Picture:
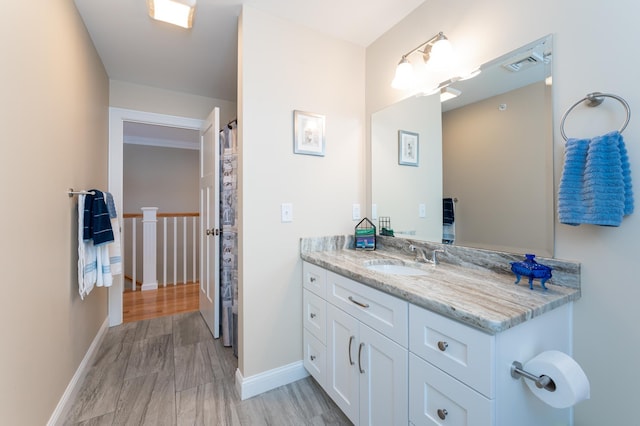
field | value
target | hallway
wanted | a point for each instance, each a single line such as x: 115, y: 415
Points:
x: 170, y: 300
x: 169, y: 371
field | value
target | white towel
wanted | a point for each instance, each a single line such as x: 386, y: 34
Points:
x: 449, y: 233
x: 104, y: 277
x: 115, y: 253
x: 87, y: 260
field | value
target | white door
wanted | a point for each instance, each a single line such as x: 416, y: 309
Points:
x: 209, y: 223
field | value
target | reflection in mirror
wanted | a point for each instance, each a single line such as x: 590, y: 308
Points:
x: 490, y: 149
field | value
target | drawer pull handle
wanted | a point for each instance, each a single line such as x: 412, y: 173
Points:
x: 364, y: 305
x: 443, y: 347
x: 442, y: 413
x: 312, y: 357
x: 351, y: 341
x: 360, y: 358
x: 312, y: 315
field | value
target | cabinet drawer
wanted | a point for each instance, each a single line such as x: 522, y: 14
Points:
x: 382, y: 312
x: 315, y: 315
x: 438, y: 399
x: 461, y: 351
x: 315, y: 358
x: 314, y: 278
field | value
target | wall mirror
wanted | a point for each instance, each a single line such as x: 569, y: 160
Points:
x: 490, y: 150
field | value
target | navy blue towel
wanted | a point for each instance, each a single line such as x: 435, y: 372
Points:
x: 448, y: 217
x: 97, y: 223
x: 595, y: 187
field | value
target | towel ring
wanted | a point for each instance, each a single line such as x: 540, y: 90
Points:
x: 592, y: 100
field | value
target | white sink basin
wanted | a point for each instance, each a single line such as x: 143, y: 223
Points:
x: 393, y: 269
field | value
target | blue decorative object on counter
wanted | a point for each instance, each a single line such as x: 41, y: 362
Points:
x: 532, y: 269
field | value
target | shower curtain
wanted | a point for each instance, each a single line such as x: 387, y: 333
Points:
x: 229, y: 240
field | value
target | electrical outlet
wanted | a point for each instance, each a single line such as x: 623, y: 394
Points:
x: 422, y: 210
x: 286, y: 210
x: 355, y: 211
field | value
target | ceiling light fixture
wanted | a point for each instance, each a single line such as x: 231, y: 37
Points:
x: 176, y: 12
x: 437, y: 53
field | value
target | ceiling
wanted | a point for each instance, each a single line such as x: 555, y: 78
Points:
x: 203, y: 60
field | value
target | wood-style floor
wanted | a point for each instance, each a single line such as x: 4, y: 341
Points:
x: 172, y: 299
x: 170, y: 371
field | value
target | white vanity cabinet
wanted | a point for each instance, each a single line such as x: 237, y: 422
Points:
x: 366, y: 370
x: 386, y: 361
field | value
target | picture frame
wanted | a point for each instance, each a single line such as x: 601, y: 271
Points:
x: 308, y: 133
x: 408, y: 148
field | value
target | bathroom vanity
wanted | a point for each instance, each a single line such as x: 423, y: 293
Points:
x: 412, y: 343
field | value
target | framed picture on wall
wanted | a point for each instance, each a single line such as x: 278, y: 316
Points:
x: 308, y: 133
x: 408, y: 148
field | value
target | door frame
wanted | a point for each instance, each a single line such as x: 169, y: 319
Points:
x: 117, y: 118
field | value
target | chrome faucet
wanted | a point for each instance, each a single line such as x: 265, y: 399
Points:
x: 421, y: 254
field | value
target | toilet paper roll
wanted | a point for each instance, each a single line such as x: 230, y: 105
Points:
x: 572, y: 385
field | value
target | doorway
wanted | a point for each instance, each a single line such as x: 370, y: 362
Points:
x: 118, y: 119
x: 160, y: 170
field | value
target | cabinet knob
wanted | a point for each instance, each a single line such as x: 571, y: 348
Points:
x: 442, y: 413
x: 443, y: 347
x: 312, y: 279
x: 312, y: 357
x: 312, y: 315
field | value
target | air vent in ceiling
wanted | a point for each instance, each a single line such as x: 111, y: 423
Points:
x: 524, y: 60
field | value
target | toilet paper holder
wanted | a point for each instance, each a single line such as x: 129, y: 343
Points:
x: 542, y: 382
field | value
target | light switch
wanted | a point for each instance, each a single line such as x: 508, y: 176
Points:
x: 287, y: 212
x: 422, y: 210
x: 374, y: 211
x: 355, y: 211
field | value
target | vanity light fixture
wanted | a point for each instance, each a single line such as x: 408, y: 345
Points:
x: 436, y: 52
x: 447, y: 93
x: 176, y: 12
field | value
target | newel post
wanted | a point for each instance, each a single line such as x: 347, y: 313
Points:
x: 149, y: 220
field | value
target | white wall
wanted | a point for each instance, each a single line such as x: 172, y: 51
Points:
x: 606, y: 341
x: 137, y: 97
x: 399, y: 189
x: 284, y: 67
x: 54, y: 110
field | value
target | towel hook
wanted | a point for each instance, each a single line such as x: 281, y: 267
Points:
x: 592, y: 100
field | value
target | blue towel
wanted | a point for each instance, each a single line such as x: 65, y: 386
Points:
x: 97, y: 224
x: 448, y: 215
x: 595, y: 187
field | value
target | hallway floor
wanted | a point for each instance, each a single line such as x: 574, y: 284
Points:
x: 170, y: 371
x: 173, y: 299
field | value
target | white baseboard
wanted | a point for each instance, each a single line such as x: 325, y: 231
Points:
x: 149, y: 286
x: 59, y: 414
x: 263, y: 382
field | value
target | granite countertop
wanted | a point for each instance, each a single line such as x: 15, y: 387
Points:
x: 475, y: 296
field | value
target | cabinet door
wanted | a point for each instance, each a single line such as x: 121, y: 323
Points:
x: 342, y: 369
x: 384, y: 372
